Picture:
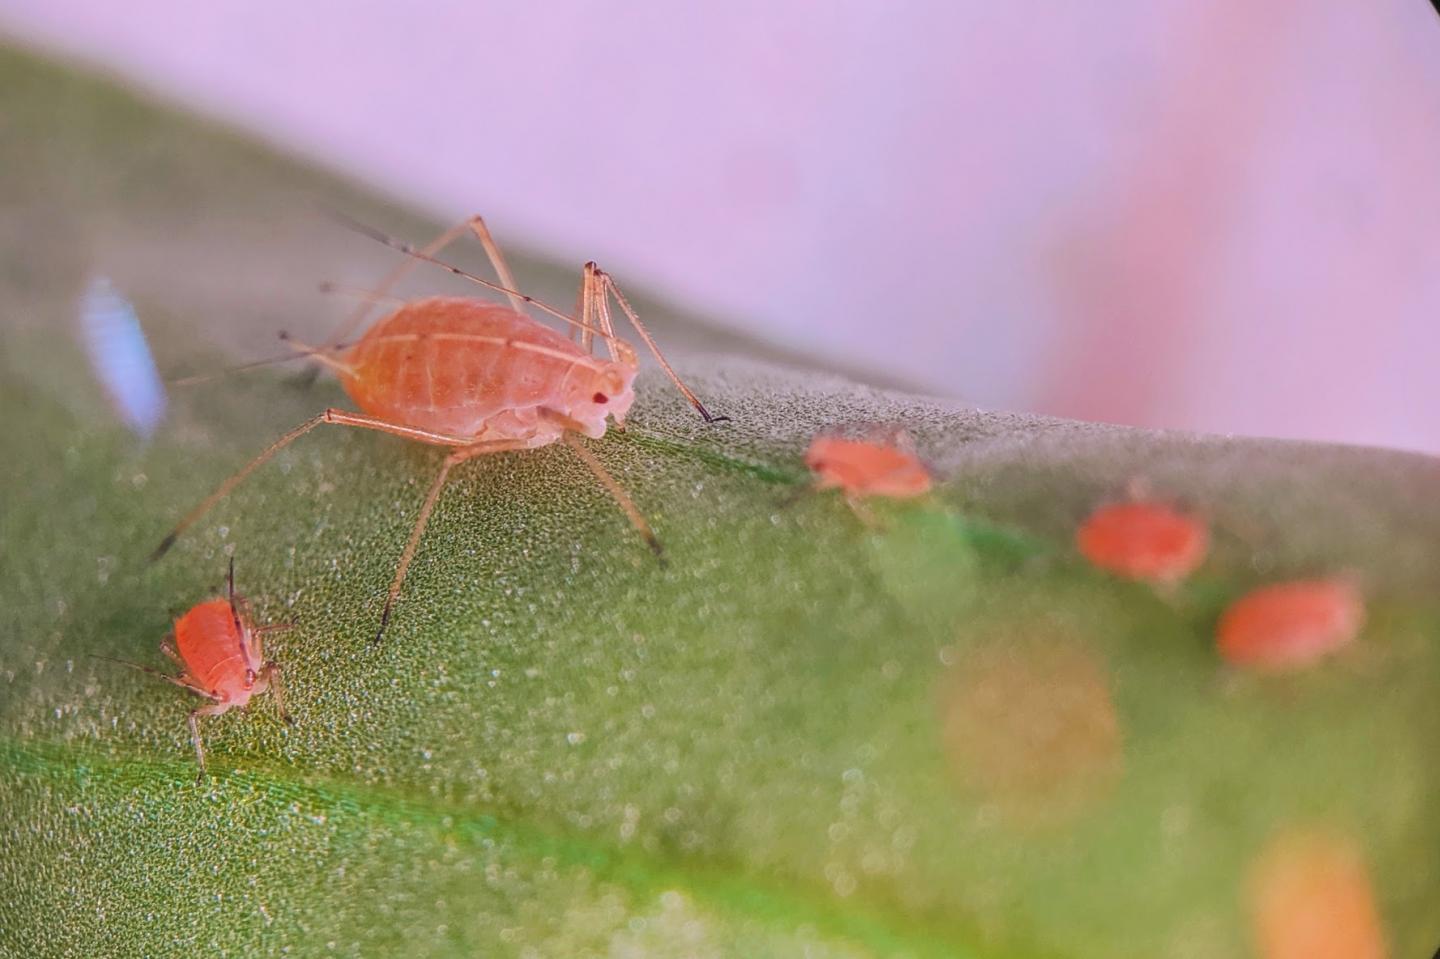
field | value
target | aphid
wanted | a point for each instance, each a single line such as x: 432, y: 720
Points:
x: 865, y: 468
x: 1310, y: 897
x: 1290, y: 625
x: 221, y: 655
x: 1145, y: 540
x: 478, y: 378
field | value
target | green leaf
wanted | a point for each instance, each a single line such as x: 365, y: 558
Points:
x: 768, y: 747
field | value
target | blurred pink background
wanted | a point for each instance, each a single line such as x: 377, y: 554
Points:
x: 1220, y: 215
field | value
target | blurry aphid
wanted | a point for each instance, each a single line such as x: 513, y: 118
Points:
x: 884, y: 467
x: 1030, y: 725
x: 1310, y: 897
x: 120, y: 357
x: 1144, y: 539
x: 221, y: 656
x: 1290, y: 625
x: 478, y: 377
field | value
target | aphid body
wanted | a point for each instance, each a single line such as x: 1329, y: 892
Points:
x: 864, y: 468
x: 1143, y: 540
x: 465, y: 367
x: 1291, y: 625
x: 477, y: 378
x: 221, y: 655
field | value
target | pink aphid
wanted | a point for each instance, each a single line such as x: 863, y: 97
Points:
x: 867, y: 468
x: 221, y: 656
x: 479, y: 378
x: 1144, y: 540
x: 1290, y: 625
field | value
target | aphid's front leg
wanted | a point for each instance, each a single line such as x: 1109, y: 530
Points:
x: 617, y: 492
x: 270, y: 673
x: 215, y: 709
x: 454, y: 459
x: 608, y: 286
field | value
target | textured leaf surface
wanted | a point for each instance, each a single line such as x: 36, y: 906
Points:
x: 801, y: 737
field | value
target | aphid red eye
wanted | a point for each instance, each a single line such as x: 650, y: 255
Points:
x: 600, y: 398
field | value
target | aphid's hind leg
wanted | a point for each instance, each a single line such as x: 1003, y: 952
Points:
x: 340, y: 417
x: 459, y: 456
x: 215, y: 709
x: 476, y: 226
x: 617, y: 493
x: 608, y: 286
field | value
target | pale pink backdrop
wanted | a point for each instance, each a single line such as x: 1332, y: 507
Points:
x: 1209, y: 214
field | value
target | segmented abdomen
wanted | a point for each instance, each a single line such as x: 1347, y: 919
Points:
x: 450, y: 364
x: 212, y: 648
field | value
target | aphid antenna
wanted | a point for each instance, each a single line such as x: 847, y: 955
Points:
x: 230, y: 597
x: 401, y: 246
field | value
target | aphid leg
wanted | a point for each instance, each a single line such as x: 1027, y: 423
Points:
x: 272, y: 628
x: 593, y: 310
x: 183, y: 680
x: 318, y: 354
x: 167, y: 647
x: 426, y: 508
x: 617, y: 492
x: 341, y: 417
x: 271, y: 674
x: 863, y: 513
x: 356, y: 319
x: 492, y: 250
x: 415, y: 254
x: 605, y: 325
x: 581, y: 329
x: 476, y: 225
x: 215, y: 709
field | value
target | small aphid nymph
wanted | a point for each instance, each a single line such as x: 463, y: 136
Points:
x: 1143, y: 540
x: 1290, y: 625
x: 862, y: 469
x: 478, y: 378
x: 221, y: 655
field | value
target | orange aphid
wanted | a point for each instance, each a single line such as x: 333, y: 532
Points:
x: 479, y: 378
x: 1144, y: 540
x: 865, y: 468
x: 221, y: 655
x: 1310, y: 898
x: 1290, y: 625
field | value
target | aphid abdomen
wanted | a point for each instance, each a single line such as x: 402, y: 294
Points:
x: 211, y: 646
x: 453, y: 365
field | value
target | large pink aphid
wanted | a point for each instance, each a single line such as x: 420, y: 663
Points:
x: 478, y: 377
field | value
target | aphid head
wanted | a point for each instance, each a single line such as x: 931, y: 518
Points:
x: 608, y: 392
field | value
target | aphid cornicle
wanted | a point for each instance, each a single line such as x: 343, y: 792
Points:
x: 478, y: 377
x: 221, y: 655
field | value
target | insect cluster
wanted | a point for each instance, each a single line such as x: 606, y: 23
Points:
x: 475, y: 378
